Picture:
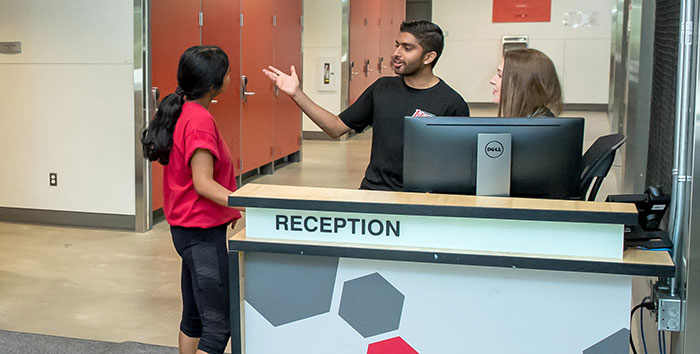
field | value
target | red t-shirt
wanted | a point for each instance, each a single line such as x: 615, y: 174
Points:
x: 196, y: 129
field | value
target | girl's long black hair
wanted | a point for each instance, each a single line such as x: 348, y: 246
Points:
x: 201, y: 70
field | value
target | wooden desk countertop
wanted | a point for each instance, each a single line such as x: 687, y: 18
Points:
x: 634, y: 261
x: 404, y: 203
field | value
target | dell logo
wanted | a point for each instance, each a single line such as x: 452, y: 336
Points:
x: 494, y: 149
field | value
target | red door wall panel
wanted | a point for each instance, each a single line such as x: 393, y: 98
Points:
x: 287, y: 52
x: 522, y: 11
x: 387, y: 37
x: 174, y: 28
x: 257, y: 120
x: 373, y: 41
x: 399, y: 14
x: 393, y: 13
x: 358, y: 51
x: 252, y: 132
x: 222, y: 28
x: 374, y: 26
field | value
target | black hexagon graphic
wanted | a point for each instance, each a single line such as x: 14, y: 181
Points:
x: 285, y: 288
x: 371, y: 305
x: 616, y: 343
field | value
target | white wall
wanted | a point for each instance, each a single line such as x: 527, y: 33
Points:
x: 67, y: 106
x: 473, y: 47
x: 322, y: 37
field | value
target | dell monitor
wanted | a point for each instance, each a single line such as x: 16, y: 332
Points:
x: 520, y: 157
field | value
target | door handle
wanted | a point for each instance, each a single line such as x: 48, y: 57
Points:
x: 380, y: 65
x: 152, y: 105
x: 244, y: 89
x: 155, y: 96
x: 352, y: 67
x: 156, y: 93
x: 367, y: 69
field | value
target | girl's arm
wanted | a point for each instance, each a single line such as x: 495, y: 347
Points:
x: 202, y: 164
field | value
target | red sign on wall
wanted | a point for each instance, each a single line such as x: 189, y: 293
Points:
x: 522, y: 10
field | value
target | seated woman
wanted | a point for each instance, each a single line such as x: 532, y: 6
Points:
x: 526, y: 85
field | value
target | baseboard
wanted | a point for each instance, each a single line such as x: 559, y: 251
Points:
x: 158, y: 215
x: 68, y: 218
x: 483, y: 105
x: 592, y: 107
x: 315, y: 135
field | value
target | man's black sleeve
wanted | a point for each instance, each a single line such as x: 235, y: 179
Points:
x: 361, y: 113
x: 459, y: 108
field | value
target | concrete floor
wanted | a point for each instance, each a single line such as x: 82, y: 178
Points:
x: 124, y: 286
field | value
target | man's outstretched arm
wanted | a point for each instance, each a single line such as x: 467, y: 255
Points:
x: 330, y: 123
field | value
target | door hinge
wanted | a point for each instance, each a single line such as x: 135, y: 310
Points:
x: 301, y: 20
x: 274, y: 20
x: 201, y: 19
x: 241, y: 20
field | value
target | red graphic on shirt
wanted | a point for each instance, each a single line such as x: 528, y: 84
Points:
x: 419, y: 113
x: 394, y: 345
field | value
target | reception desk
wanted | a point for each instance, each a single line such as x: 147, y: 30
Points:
x: 320, y: 270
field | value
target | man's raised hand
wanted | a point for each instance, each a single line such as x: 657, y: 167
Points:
x: 288, y: 84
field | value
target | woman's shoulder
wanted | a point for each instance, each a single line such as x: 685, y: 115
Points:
x: 543, y: 112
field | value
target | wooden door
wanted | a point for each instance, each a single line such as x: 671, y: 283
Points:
x: 358, y: 35
x: 257, y: 122
x: 365, y: 45
x: 287, y: 52
x: 174, y: 28
x: 392, y: 14
x: 221, y: 27
x: 386, y: 37
x: 399, y: 16
x: 372, y: 41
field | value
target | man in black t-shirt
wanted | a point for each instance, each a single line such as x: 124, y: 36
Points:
x: 383, y: 105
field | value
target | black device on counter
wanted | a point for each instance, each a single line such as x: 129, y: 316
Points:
x: 651, y: 206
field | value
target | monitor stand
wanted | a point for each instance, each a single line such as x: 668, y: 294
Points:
x: 493, y: 164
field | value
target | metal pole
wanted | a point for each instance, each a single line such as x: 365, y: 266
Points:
x: 345, y: 72
x: 143, y: 111
x: 678, y: 216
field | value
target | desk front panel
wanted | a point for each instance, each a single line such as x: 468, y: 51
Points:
x: 315, y: 304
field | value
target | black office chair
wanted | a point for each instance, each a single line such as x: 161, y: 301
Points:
x: 597, y: 162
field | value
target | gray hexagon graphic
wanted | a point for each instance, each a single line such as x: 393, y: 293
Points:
x: 616, y: 343
x: 371, y: 305
x: 285, y: 288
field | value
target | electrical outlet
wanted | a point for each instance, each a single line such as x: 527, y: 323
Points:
x: 669, y: 313
x: 53, y: 179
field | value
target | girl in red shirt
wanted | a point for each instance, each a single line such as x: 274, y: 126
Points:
x: 198, y: 177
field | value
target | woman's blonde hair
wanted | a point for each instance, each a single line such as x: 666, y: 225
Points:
x: 529, y: 84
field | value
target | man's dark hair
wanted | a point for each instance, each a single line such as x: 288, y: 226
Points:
x: 428, y: 34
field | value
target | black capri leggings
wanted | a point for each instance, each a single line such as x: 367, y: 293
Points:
x: 204, y: 282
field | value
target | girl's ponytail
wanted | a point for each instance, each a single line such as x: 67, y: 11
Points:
x: 157, y: 139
